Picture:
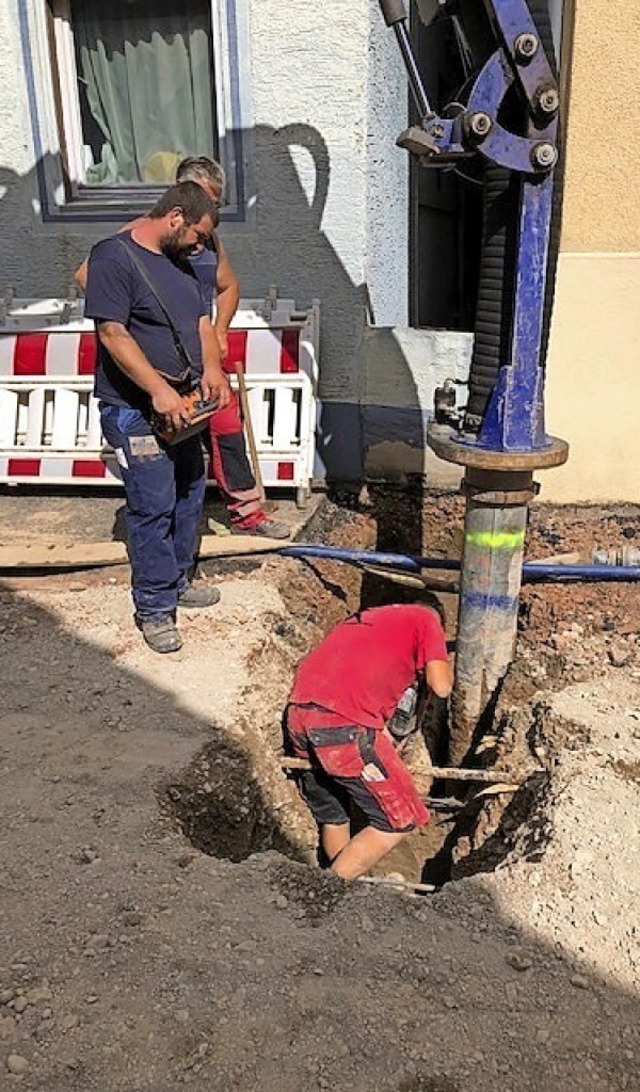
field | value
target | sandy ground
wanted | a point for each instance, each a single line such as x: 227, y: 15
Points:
x: 584, y: 895
x: 130, y: 961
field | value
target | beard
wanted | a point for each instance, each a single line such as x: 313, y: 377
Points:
x: 174, y: 247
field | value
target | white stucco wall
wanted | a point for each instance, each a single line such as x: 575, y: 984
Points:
x: 387, y: 227
x: 16, y: 149
x: 326, y: 81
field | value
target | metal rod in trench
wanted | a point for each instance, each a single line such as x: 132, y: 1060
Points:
x: 449, y: 773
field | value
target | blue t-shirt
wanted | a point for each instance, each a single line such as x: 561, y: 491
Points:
x: 205, y: 266
x: 116, y: 292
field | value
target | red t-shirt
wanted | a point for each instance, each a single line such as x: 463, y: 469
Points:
x: 365, y: 664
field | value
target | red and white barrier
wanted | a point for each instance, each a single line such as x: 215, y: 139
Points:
x: 49, y: 421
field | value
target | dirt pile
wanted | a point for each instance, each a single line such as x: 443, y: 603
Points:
x: 583, y: 891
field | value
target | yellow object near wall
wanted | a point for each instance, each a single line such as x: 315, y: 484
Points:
x: 593, y: 377
x: 601, y: 207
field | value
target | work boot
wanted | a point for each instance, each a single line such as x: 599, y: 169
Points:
x: 160, y: 634
x: 267, y: 528
x: 196, y: 596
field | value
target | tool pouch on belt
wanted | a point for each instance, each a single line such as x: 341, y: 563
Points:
x: 347, y: 752
x: 354, y: 752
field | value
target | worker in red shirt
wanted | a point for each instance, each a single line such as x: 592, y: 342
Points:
x: 344, y: 694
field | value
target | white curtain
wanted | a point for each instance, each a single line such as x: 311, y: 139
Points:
x: 147, y: 76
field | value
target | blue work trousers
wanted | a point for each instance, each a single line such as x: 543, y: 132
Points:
x: 165, y: 496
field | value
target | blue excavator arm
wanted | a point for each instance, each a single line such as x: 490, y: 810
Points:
x: 506, y: 118
x: 507, y: 114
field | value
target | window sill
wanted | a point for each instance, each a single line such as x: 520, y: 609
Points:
x: 102, y: 204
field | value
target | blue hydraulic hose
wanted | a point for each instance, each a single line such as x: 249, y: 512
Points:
x: 368, y: 557
x: 532, y: 572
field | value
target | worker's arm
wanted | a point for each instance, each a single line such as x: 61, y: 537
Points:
x: 214, y: 382
x: 439, y: 676
x: 128, y: 355
x: 227, y: 298
x: 80, y: 275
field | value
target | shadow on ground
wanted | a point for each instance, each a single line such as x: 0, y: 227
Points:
x: 145, y: 965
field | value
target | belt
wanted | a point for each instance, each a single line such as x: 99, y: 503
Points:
x: 330, y: 737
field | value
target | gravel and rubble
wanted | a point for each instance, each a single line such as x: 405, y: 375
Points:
x: 131, y: 961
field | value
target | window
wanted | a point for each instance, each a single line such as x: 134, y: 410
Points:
x: 136, y: 89
x: 125, y: 89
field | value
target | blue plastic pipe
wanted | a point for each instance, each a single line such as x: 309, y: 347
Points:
x: 532, y: 572
x: 539, y: 573
x: 368, y: 557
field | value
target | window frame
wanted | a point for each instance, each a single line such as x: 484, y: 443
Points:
x: 54, y: 106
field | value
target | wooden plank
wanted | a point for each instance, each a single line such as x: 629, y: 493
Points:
x: 558, y: 559
x: 60, y: 555
x: 64, y: 554
x: 231, y: 545
x: 451, y: 773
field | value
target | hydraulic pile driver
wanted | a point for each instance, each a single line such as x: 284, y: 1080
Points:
x: 506, y: 117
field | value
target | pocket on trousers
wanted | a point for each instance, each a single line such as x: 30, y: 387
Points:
x: 341, y: 759
x: 373, y: 766
x: 120, y: 422
x: 144, y: 448
x: 129, y: 431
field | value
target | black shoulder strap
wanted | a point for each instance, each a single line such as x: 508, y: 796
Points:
x: 182, y: 352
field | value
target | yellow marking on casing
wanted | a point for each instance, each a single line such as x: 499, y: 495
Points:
x: 495, y: 540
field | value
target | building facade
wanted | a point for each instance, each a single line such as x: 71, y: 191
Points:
x: 594, y: 360
x: 303, y: 103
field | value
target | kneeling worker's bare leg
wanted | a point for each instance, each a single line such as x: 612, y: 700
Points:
x: 334, y: 837
x: 364, y: 851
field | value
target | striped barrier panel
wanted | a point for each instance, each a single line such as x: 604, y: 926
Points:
x: 49, y: 420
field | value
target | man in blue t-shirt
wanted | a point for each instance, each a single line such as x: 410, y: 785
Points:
x: 140, y: 361
x: 230, y: 466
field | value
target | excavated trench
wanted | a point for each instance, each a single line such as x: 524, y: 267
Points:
x: 234, y: 799
x: 221, y: 807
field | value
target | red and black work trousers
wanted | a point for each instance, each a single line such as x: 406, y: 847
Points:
x: 231, y: 469
x: 350, y: 762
